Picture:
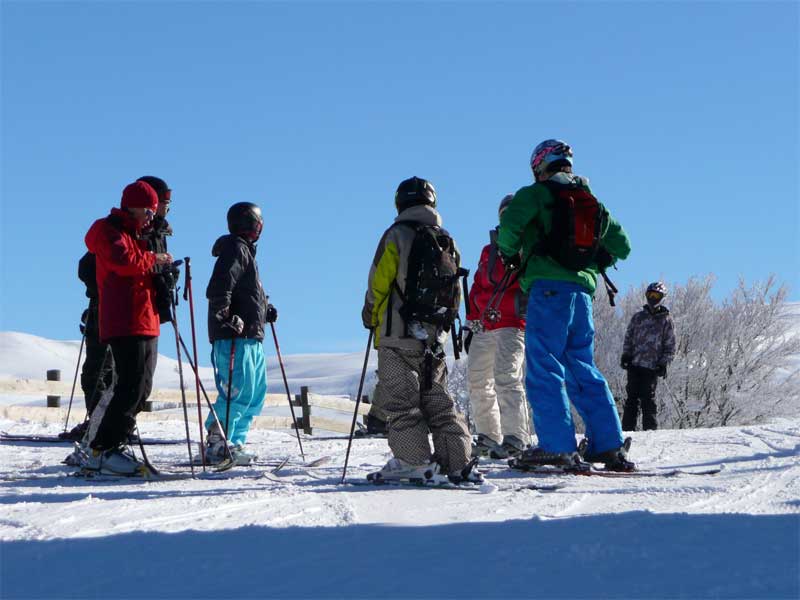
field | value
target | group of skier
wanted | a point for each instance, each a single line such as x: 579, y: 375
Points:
x: 529, y: 312
x: 130, y: 280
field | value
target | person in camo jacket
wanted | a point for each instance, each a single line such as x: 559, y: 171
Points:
x: 648, y: 350
x: 495, y: 343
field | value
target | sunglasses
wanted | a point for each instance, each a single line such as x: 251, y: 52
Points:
x: 149, y: 212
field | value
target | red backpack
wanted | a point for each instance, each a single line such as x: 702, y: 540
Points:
x: 577, y: 226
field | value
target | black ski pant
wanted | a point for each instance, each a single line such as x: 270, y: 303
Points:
x: 97, y: 374
x: 135, y: 362
x: 641, y: 389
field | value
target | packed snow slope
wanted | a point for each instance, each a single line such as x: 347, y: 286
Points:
x: 249, y: 533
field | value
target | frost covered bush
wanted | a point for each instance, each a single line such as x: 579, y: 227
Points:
x: 736, y: 361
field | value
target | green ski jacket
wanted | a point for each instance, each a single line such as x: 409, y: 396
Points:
x: 529, y: 217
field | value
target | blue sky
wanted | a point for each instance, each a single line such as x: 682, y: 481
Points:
x: 684, y: 115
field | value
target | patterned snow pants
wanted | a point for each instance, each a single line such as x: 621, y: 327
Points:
x: 412, y: 414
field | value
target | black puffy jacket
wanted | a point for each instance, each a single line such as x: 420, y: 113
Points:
x: 235, y: 289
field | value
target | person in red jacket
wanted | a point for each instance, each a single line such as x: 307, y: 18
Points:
x: 496, y: 347
x: 128, y: 321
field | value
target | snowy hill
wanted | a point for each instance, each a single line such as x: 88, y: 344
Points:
x: 25, y: 356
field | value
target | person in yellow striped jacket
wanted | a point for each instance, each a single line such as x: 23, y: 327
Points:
x: 411, y: 355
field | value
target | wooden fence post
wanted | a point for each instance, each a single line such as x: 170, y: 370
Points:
x: 306, y: 410
x: 53, y: 401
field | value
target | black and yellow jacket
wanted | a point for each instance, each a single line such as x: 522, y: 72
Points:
x: 382, y: 301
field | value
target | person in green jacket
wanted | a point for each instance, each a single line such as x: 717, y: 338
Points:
x: 559, y: 334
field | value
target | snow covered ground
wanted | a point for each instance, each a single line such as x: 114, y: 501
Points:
x: 248, y: 533
x: 299, y: 533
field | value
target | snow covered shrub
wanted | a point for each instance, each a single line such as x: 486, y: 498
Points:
x: 735, y: 363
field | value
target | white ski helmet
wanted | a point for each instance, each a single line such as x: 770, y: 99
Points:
x: 504, y: 204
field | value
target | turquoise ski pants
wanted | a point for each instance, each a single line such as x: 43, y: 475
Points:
x: 559, y: 352
x: 248, y: 388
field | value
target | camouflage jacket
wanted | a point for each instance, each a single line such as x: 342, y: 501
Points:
x: 650, y: 338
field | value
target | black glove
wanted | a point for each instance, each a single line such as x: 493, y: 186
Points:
x: 272, y: 313
x: 510, y: 262
x: 625, y: 361
x: 468, y: 339
x: 603, y: 259
x: 661, y: 370
x: 84, y: 321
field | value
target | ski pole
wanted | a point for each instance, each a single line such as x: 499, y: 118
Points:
x: 358, y: 401
x: 180, y: 373
x: 74, y: 381
x: 286, y: 385
x: 187, y: 290
x: 230, y: 381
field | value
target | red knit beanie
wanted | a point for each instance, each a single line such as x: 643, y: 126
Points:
x: 139, y: 195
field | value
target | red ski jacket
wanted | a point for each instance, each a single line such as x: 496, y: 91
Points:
x: 124, y: 277
x: 512, y: 303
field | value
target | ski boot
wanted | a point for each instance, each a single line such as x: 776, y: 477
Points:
x: 216, y: 450
x: 614, y: 460
x: 374, y: 428
x: 241, y: 457
x: 534, y: 458
x: 76, y: 433
x: 512, y: 446
x: 469, y: 474
x: 114, y: 461
x: 79, y: 456
x: 484, y: 446
x: 399, y: 470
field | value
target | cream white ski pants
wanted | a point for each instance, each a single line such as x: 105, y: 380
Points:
x: 495, y: 378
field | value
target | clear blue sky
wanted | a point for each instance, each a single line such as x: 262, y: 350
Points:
x: 684, y: 115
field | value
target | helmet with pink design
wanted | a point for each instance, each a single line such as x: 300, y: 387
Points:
x: 549, y: 155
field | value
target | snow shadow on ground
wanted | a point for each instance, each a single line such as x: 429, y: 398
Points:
x: 635, y: 554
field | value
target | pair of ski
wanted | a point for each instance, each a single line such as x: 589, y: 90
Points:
x: 54, y: 439
x: 149, y: 473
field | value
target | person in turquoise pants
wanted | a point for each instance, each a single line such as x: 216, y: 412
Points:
x: 238, y: 309
x: 567, y: 238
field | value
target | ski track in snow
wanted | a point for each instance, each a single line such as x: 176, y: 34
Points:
x: 729, y: 517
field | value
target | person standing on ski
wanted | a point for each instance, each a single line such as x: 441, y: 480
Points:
x: 566, y: 238
x: 128, y: 321
x: 166, y: 276
x: 410, y: 310
x: 647, y: 352
x: 97, y: 371
x: 495, y: 343
x: 238, y: 309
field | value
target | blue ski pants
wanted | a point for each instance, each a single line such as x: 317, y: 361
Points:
x: 559, y: 352
x: 248, y: 387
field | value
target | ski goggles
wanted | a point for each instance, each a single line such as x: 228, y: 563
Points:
x: 653, y: 295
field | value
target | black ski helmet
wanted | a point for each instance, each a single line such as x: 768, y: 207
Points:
x: 413, y: 192
x: 504, y: 204
x: 160, y: 186
x: 244, y: 218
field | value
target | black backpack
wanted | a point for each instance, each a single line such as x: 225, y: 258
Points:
x: 577, y: 226
x: 432, y: 292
